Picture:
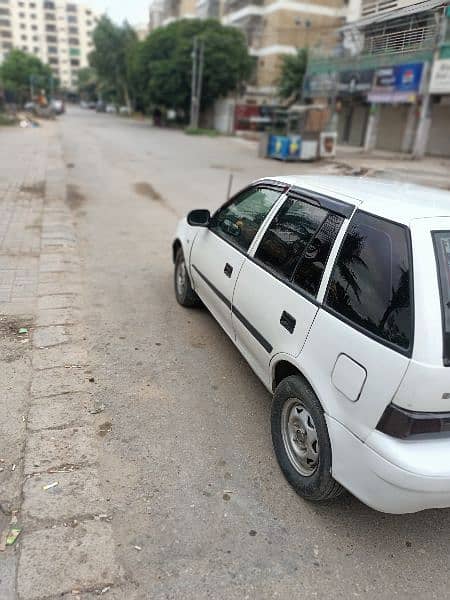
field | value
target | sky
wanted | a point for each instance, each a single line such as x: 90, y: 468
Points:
x: 135, y: 11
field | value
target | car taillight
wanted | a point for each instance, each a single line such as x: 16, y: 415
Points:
x: 401, y: 423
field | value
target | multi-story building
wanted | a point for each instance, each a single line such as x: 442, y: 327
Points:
x: 57, y: 32
x: 275, y: 28
x: 379, y: 77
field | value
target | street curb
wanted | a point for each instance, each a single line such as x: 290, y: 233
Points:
x: 66, y: 546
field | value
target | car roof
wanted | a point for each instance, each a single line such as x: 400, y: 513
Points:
x: 396, y: 201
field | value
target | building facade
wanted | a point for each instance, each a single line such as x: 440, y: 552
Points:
x: 59, y: 33
x: 388, y: 79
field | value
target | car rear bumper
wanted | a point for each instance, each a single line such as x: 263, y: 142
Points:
x: 393, y: 476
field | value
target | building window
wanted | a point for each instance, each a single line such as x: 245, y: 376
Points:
x: 72, y: 19
x: 35, y: 38
x: 4, y: 11
x: 6, y: 34
x: 49, y: 6
x: 53, y: 60
x: 74, y: 41
x: 34, y: 27
x: 52, y: 39
x: 52, y: 50
x: 71, y: 8
x: 23, y: 26
x: 33, y: 16
x: 50, y: 28
x: 73, y: 30
x: 24, y: 37
x: 50, y: 17
x: 25, y: 48
x: 74, y: 62
x: 36, y: 50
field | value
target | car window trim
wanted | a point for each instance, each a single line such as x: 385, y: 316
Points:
x: 339, y: 207
x: 408, y: 352
x: 434, y: 233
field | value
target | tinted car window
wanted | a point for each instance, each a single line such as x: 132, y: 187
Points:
x: 442, y: 249
x: 370, y: 282
x: 309, y: 272
x: 288, y: 235
x: 239, y: 221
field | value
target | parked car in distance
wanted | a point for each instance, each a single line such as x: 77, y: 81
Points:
x: 337, y: 292
x: 92, y: 105
x: 111, y: 109
x: 84, y: 104
x: 100, y: 107
x: 125, y: 111
x: 58, y: 106
x: 30, y: 106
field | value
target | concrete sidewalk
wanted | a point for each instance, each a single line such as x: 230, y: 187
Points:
x: 49, y: 479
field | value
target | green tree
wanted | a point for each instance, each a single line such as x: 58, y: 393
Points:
x: 114, y: 46
x: 20, y: 72
x: 162, y: 65
x: 293, y: 71
x: 87, y: 83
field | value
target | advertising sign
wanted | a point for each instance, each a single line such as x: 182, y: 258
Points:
x: 440, y: 77
x: 355, y: 82
x: 399, y: 83
x: 320, y: 84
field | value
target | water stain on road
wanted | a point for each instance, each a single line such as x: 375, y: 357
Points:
x: 37, y: 189
x: 146, y: 189
x: 74, y: 197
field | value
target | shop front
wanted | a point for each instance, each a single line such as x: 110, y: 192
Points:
x: 352, y: 88
x: 439, y: 135
x: 395, y: 92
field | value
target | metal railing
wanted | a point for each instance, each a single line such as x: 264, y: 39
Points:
x: 401, y: 42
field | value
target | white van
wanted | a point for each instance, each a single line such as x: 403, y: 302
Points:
x: 337, y: 292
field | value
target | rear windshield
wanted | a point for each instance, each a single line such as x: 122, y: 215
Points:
x: 442, y: 248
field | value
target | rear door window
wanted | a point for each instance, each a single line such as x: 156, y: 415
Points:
x: 288, y: 235
x: 371, y: 283
x: 441, y: 241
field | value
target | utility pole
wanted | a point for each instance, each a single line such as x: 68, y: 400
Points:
x: 198, y: 63
x: 423, y: 126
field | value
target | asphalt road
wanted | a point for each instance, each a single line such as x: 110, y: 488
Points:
x: 187, y: 462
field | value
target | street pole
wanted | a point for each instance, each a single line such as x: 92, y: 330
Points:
x: 194, y: 82
x: 200, y: 81
x: 423, y: 126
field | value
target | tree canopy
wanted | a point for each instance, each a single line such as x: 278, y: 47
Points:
x: 111, y: 58
x: 293, y: 71
x: 162, y: 64
x: 19, y: 70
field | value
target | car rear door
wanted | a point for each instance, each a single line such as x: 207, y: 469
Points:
x: 274, y: 303
x: 219, y: 251
x: 360, y: 345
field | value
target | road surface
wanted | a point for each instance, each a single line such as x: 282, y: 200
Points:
x: 200, y: 509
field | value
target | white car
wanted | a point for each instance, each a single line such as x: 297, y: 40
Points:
x: 337, y: 292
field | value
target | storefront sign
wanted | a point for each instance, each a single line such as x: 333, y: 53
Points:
x: 440, y: 77
x: 355, y: 82
x: 320, y: 84
x: 399, y: 83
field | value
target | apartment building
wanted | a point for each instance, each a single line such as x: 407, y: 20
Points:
x: 275, y: 28
x: 57, y: 32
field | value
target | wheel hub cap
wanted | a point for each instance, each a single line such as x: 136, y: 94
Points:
x: 300, y: 437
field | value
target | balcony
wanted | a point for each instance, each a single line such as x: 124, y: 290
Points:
x: 422, y: 38
x: 231, y: 6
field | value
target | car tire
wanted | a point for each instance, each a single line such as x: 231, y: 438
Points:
x: 184, y: 293
x: 301, y: 441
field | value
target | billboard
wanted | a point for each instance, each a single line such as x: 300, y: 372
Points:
x: 440, y: 77
x: 399, y: 83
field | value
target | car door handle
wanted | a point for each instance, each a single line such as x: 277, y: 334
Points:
x: 228, y: 270
x: 288, y: 321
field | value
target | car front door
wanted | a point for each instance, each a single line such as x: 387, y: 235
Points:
x: 219, y: 251
x: 274, y: 303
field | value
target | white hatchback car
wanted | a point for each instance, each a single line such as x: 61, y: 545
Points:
x: 337, y: 292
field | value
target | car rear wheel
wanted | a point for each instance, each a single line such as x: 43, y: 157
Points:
x: 184, y: 293
x: 301, y: 442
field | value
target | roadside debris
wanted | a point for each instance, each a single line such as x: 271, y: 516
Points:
x: 97, y: 409
x: 12, y: 536
x: 138, y: 548
x: 23, y: 331
x: 50, y: 486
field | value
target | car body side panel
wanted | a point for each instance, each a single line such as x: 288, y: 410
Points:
x: 328, y: 339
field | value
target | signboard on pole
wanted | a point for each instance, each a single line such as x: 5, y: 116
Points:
x: 440, y: 77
